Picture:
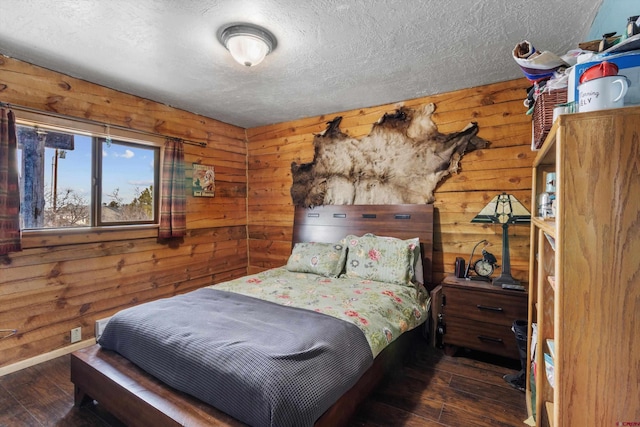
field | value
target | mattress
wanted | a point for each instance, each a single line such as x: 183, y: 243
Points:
x: 273, y: 349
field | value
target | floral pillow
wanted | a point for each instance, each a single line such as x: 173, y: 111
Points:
x: 383, y: 259
x: 323, y: 259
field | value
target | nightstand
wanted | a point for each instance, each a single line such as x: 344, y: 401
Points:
x: 478, y: 315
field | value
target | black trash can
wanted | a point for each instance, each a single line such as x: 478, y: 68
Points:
x: 518, y: 380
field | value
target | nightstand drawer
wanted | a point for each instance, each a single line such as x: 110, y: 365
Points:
x: 488, y: 307
x: 487, y: 337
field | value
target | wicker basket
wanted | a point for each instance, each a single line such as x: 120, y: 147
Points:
x: 543, y: 114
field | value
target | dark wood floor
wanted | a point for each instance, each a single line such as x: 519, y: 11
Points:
x: 432, y: 390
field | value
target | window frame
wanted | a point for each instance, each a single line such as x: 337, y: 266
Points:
x: 99, y: 231
x: 96, y: 188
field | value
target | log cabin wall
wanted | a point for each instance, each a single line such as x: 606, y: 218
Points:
x: 504, y: 166
x: 60, y: 282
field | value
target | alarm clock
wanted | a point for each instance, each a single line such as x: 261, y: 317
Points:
x: 484, y: 267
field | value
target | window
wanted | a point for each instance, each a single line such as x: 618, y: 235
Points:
x: 72, y: 178
x: 129, y: 176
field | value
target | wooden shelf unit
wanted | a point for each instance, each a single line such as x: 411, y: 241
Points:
x: 585, y: 294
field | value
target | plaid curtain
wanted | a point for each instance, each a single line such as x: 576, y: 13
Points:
x: 173, y: 221
x: 10, y: 236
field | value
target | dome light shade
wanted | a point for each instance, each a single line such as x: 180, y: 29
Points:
x: 247, y: 43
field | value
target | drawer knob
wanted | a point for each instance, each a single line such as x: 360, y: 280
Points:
x: 489, y: 308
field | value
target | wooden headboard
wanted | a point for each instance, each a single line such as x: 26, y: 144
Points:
x: 330, y: 223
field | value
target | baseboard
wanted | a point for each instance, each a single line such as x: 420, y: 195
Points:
x: 45, y: 357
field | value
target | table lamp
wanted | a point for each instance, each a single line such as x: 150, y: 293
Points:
x: 504, y: 209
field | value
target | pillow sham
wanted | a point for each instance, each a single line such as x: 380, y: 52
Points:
x: 418, y: 268
x: 383, y: 259
x: 323, y: 259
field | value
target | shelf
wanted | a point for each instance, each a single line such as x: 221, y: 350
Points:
x: 529, y: 397
x: 552, y: 281
x: 551, y: 240
x: 546, y: 225
x: 552, y: 347
x: 547, y: 153
x: 549, y: 407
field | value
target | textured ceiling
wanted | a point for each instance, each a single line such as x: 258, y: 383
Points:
x: 332, y: 55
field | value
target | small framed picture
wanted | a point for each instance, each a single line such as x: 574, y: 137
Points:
x: 204, y: 182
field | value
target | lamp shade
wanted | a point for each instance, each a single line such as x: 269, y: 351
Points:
x: 247, y: 43
x: 503, y: 209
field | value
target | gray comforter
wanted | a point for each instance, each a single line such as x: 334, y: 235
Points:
x: 262, y: 363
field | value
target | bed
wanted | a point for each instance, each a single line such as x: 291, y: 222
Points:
x: 138, y: 398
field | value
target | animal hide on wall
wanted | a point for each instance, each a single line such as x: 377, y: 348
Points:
x: 401, y: 161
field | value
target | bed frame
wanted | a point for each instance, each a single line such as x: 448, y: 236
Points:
x: 138, y: 399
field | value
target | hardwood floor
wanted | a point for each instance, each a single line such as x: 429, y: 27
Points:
x: 432, y: 390
x: 439, y: 390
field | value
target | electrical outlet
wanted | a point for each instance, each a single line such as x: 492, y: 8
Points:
x: 76, y: 334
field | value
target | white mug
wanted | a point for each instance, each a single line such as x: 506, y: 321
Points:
x: 561, y: 109
x: 602, y: 93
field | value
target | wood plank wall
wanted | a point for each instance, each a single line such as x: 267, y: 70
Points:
x: 504, y: 166
x: 59, y: 282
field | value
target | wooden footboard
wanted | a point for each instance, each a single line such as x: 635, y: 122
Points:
x: 138, y: 399
x: 135, y: 397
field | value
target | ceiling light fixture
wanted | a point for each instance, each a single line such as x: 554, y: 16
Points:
x: 247, y: 43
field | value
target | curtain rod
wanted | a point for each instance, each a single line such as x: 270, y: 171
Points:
x: 95, y: 122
